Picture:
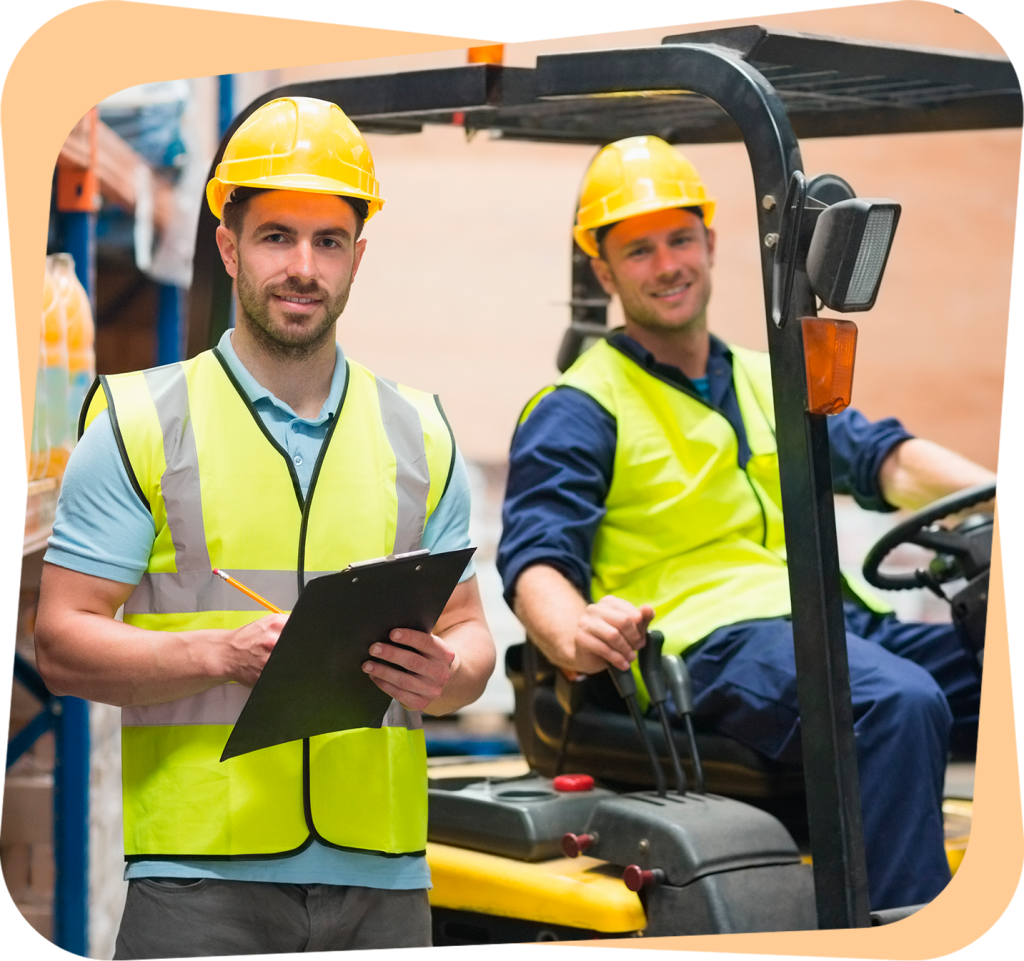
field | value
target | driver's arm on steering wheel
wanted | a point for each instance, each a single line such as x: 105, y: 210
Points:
x: 917, y: 472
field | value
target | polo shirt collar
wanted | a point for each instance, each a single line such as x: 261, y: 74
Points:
x: 257, y: 392
x: 718, y: 372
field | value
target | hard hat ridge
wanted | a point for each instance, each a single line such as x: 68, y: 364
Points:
x: 634, y: 176
x: 297, y: 143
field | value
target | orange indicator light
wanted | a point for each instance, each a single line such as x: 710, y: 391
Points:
x: 830, y: 346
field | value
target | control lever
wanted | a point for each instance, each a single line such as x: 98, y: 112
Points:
x: 569, y: 692
x: 625, y: 684
x: 650, y: 658
x: 679, y: 683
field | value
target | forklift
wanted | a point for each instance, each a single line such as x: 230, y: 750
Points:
x: 741, y: 843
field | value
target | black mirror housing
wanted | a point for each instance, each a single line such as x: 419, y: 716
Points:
x: 849, y: 250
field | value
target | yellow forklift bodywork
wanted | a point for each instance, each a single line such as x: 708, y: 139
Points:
x: 564, y: 891
x: 575, y: 892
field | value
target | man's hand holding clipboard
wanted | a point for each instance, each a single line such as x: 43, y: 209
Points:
x: 401, y: 628
x: 414, y: 669
x: 429, y: 671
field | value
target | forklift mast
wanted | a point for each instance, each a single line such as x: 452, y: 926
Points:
x: 754, y: 85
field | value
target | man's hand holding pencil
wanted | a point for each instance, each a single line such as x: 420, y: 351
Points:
x: 248, y: 648
x: 415, y: 669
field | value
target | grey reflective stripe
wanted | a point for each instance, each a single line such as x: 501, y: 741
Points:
x: 412, y: 473
x: 180, y: 481
x: 218, y: 705
x: 194, y: 591
x: 223, y: 704
x: 398, y: 716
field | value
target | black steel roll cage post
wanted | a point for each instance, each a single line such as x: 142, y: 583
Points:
x: 826, y: 714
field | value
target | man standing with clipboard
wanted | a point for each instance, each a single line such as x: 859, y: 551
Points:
x: 276, y: 458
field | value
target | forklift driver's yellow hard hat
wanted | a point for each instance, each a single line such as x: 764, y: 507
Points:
x: 635, y: 176
x: 297, y: 143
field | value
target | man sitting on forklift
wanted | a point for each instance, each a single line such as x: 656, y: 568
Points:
x: 646, y: 480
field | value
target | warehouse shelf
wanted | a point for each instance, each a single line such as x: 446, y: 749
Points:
x: 39, y: 513
x: 116, y: 169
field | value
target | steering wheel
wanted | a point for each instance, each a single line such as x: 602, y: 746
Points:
x: 964, y: 551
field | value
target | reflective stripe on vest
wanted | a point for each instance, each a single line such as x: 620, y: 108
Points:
x: 223, y: 494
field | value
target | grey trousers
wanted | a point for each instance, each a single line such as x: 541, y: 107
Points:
x: 172, y: 919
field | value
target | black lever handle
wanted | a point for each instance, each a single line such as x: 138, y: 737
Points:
x: 649, y: 657
x: 569, y: 692
x: 679, y: 682
x: 678, y: 677
x: 624, y: 681
x: 625, y: 684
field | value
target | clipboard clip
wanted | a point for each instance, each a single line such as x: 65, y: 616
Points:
x: 422, y: 552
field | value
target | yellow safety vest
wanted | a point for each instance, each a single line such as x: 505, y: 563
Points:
x: 223, y: 494
x: 686, y: 529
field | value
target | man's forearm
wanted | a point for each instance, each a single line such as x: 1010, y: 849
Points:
x: 81, y: 649
x: 101, y: 659
x: 918, y: 472
x: 550, y: 608
x: 573, y: 634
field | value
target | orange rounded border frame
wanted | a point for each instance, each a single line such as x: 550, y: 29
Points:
x: 55, y: 67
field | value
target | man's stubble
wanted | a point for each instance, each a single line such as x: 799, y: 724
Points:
x: 255, y: 305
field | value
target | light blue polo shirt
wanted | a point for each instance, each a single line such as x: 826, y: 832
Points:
x: 102, y: 528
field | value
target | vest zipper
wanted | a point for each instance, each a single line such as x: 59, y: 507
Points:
x: 301, y: 567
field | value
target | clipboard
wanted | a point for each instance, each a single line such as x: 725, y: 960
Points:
x: 313, y: 681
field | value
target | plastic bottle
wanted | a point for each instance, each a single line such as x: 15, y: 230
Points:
x: 54, y: 374
x: 39, y: 451
x: 81, y: 334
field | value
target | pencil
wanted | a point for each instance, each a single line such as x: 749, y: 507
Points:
x: 245, y: 590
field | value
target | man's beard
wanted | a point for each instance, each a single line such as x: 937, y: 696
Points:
x: 295, y: 342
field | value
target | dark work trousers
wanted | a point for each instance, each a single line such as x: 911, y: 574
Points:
x: 207, y: 917
x: 915, y: 690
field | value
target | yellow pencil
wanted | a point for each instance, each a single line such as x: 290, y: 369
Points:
x: 245, y: 590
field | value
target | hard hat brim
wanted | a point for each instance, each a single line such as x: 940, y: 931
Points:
x: 217, y: 190
x: 586, y: 236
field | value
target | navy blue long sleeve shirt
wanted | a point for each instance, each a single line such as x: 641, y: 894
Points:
x: 560, y: 466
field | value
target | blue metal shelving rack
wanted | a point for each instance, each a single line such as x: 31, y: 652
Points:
x: 68, y: 717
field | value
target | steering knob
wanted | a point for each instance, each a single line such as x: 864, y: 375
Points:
x: 636, y: 879
x: 573, y: 845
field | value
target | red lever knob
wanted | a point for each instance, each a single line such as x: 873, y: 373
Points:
x: 573, y: 845
x: 635, y: 878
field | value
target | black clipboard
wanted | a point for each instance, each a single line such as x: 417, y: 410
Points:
x: 313, y: 681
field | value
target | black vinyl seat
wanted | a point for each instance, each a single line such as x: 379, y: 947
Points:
x: 603, y: 742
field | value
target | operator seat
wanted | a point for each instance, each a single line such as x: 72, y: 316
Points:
x: 603, y: 742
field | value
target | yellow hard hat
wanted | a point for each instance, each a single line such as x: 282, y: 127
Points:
x: 635, y: 176
x: 297, y: 143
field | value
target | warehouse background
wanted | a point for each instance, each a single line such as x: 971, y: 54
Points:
x: 464, y: 292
